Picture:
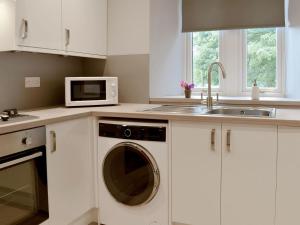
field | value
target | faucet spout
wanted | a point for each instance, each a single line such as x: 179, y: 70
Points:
x: 209, y: 97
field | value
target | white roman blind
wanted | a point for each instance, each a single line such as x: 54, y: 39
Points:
x: 206, y: 15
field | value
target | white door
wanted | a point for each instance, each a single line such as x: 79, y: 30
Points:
x: 196, y: 173
x: 248, y: 174
x: 84, y: 26
x: 38, y: 23
x: 70, y: 170
x: 288, y: 187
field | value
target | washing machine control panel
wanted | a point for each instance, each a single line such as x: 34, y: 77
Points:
x: 133, y: 132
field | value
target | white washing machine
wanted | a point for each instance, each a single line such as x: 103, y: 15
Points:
x: 133, y: 161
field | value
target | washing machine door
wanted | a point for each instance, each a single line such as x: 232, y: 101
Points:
x: 131, y: 174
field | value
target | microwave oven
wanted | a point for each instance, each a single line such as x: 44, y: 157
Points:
x: 91, y: 91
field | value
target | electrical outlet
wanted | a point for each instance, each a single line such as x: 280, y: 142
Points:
x: 32, y: 82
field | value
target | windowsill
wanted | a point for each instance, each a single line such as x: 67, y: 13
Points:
x: 263, y: 101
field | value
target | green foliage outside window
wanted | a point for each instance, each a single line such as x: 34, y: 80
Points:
x: 261, y: 57
x: 205, y: 52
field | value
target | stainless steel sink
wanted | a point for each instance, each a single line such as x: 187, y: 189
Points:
x: 243, y: 111
x: 218, y: 110
x: 179, y: 109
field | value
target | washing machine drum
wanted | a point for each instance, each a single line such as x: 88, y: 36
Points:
x: 131, y: 174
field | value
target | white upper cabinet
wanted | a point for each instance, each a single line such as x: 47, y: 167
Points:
x: 288, y: 187
x: 248, y: 174
x: 130, y: 20
x: 196, y: 173
x: 84, y: 24
x: 65, y: 27
x: 38, y: 23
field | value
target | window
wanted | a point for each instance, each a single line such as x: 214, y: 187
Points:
x: 205, y: 51
x: 263, y: 59
x: 248, y: 55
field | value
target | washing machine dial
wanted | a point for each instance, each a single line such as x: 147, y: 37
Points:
x: 127, y: 133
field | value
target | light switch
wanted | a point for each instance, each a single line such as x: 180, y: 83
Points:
x: 32, y: 82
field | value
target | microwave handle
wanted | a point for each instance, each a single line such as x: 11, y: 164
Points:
x: 23, y: 159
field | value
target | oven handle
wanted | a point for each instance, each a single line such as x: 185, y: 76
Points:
x: 23, y: 159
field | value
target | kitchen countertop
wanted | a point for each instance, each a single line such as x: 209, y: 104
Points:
x: 284, y: 117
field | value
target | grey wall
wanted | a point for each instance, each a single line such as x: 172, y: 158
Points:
x: 51, y: 68
x: 132, y: 70
x: 133, y: 74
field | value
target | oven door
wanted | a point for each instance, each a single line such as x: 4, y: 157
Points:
x: 23, y: 188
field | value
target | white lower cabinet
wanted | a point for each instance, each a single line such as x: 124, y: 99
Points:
x: 288, y: 187
x: 70, y: 164
x: 196, y: 173
x: 223, y: 174
x: 248, y: 174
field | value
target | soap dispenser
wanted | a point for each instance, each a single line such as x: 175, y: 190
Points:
x: 255, y: 91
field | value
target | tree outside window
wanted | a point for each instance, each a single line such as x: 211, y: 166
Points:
x: 205, y: 51
x: 261, y: 57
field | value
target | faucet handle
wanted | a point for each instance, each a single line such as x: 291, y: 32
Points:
x: 217, y: 97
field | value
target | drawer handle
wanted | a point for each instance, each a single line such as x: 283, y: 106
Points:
x: 213, y: 139
x: 53, y: 140
x: 68, y: 36
x: 25, y: 31
x: 228, y: 140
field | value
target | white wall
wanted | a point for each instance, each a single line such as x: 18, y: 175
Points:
x: 293, y: 49
x: 166, y: 48
x: 128, y: 27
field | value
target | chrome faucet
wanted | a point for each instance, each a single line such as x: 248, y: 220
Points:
x: 209, y: 101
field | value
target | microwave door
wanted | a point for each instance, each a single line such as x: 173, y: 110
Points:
x: 88, y: 90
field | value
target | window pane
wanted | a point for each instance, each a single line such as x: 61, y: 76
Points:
x: 261, y: 57
x: 205, y: 52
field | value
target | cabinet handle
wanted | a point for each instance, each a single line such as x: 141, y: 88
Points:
x: 228, y: 140
x: 53, y: 140
x: 25, y: 31
x: 213, y: 139
x: 68, y: 36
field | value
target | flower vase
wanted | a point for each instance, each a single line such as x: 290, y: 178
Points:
x: 188, y: 93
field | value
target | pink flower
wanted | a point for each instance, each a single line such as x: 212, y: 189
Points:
x: 186, y: 85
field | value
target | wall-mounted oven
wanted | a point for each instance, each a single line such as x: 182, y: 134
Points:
x: 23, y: 178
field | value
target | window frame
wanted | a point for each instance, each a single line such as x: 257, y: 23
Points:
x: 279, y: 65
x: 232, y: 53
x: 189, y: 62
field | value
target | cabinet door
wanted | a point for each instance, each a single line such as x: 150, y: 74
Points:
x: 196, y: 173
x: 70, y: 170
x: 248, y: 174
x: 84, y: 26
x: 288, y: 186
x: 38, y: 23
